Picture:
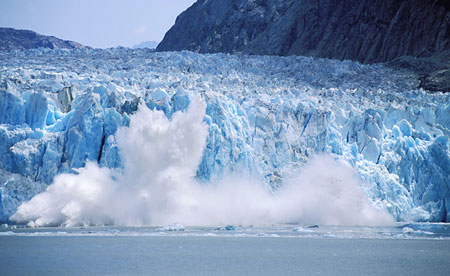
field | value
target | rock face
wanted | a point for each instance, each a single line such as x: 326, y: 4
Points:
x: 12, y: 39
x: 364, y: 30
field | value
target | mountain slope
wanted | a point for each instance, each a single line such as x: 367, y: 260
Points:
x: 146, y: 44
x: 12, y: 39
x: 366, y: 31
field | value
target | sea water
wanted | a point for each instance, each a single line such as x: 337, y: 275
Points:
x: 412, y: 249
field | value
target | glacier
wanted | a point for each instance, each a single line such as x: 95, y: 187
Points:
x: 265, y: 115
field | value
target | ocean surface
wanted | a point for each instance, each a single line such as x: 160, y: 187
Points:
x: 405, y: 249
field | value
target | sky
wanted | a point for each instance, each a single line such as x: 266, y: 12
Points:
x: 95, y: 23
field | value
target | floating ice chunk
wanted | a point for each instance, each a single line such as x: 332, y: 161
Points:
x: 416, y: 232
x: 227, y: 228
x: 173, y: 227
x: 230, y: 228
x: 301, y: 229
x: 407, y: 230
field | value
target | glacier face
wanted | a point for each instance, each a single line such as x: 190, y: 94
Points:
x: 265, y: 115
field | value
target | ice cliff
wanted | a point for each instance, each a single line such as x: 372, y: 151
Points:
x: 266, y: 115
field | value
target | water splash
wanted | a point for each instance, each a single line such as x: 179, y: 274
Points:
x: 157, y: 186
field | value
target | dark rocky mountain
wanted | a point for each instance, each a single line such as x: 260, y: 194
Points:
x: 13, y: 39
x: 364, y: 30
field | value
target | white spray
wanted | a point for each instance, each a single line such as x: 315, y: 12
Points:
x: 158, y: 187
